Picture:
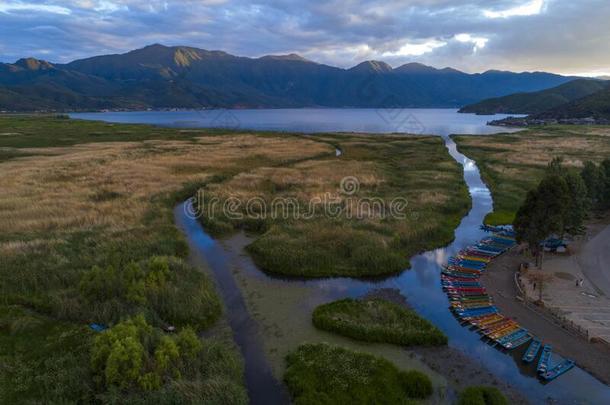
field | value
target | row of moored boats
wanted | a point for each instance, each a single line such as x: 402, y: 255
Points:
x: 473, y: 306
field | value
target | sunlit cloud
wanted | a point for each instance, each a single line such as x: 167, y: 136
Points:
x: 18, y: 6
x: 531, y: 8
x: 416, y: 49
x: 478, y: 42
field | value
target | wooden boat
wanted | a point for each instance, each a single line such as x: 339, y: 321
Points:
x: 532, y: 351
x: 510, y: 334
x: 485, y: 320
x: 558, y: 370
x: 545, y: 358
x: 517, y: 342
x: 496, y: 326
x: 504, y: 333
x: 468, y: 313
x: 475, y: 258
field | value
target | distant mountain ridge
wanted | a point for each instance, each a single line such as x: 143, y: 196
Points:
x: 537, y: 102
x: 595, y: 106
x: 159, y: 76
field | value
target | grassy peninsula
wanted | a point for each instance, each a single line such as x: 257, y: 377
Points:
x: 513, y: 164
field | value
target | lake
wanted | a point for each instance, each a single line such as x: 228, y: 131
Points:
x: 382, y: 120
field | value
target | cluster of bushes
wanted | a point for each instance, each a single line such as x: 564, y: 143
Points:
x: 167, y: 289
x: 326, y: 374
x: 482, y: 396
x: 377, y: 320
x: 134, y: 359
x: 562, y: 201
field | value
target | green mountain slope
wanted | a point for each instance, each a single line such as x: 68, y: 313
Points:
x: 596, y: 105
x: 536, y: 102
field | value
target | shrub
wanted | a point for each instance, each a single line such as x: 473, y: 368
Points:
x: 482, y: 396
x: 376, y: 320
x: 171, y: 290
x: 416, y: 384
x: 326, y: 374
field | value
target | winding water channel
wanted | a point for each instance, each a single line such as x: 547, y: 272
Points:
x: 250, y: 295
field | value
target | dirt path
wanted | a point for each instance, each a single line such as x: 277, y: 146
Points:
x: 499, y: 281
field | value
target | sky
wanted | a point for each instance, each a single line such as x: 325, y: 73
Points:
x: 562, y: 36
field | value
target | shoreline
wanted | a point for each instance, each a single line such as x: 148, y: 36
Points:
x: 499, y: 281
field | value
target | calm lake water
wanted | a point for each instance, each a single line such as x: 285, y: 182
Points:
x: 406, y: 120
x: 420, y: 285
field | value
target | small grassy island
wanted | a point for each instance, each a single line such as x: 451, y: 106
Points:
x: 326, y: 374
x: 482, y: 396
x: 377, y: 320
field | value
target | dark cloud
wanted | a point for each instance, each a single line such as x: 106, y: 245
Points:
x: 555, y: 35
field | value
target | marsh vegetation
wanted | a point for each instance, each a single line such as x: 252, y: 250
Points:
x: 326, y: 374
x: 87, y: 236
x: 309, y: 243
x: 377, y: 320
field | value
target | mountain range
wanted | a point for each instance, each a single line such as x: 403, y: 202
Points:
x: 537, y: 102
x: 159, y: 76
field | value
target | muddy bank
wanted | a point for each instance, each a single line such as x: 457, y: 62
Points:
x: 499, y: 281
x: 462, y: 372
x: 459, y: 370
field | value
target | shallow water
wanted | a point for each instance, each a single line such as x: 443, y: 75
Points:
x: 278, y: 302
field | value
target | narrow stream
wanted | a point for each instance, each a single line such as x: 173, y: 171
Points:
x: 420, y: 285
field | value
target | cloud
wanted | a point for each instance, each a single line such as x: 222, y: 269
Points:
x: 477, y: 42
x: 410, y: 49
x: 531, y: 8
x: 472, y: 35
x: 19, y: 6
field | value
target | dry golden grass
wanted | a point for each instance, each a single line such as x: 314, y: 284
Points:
x: 110, y: 185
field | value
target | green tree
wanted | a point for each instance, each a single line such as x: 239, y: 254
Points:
x: 554, y: 197
x: 578, y: 206
x: 606, y: 170
x: 124, y: 362
x: 594, y: 180
x: 118, y: 353
x: 544, y: 211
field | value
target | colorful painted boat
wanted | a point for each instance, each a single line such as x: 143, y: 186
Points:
x: 558, y: 370
x: 517, y: 342
x: 532, y: 351
x: 545, y: 358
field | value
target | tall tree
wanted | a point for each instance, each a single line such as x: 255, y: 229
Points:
x: 593, y: 177
x: 543, y: 212
x: 577, y: 203
x: 606, y: 170
x: 555, y: 199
